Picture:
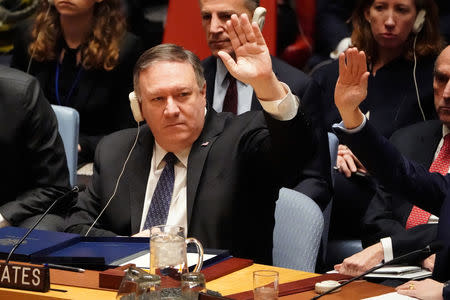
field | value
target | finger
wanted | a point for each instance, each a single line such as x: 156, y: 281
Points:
x: 405, y: 286
x: 350, y: 162
x: 342, y: 67
x: 237, y: 25
x: 258, y: 34
x: 228, y: 61
x: 235, y: 42
x: 362, y: 62
x: 247, y: 29
x: 345, y: 169
x: 353, y: 62
x: 410, y: 293
x: 337, y: 267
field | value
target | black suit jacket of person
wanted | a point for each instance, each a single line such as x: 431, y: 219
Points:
x: 315, y: 180
x: 388, y: 213
x: 235, y: 170
x: 101, y: 97
x: 430, y: 191
x: 32, y: 154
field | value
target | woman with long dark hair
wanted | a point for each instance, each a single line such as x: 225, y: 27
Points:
x: 83, y: 57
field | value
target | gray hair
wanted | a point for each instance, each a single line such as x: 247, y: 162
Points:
x: 170, y: 53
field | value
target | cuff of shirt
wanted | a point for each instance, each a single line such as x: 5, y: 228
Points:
x: 284, y: 109
x: 353, y: 130
x: 3, y: 222
x: 387, y: 249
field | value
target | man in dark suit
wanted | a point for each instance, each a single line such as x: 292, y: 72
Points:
x: 427, y: 190
x: 228, y: 169
x: 31, y: 153
x: 315, y: 180
x: 386, y: 230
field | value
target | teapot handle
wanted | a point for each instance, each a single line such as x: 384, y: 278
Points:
x: 199, y: 246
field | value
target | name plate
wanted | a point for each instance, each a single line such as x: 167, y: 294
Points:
x: 24, y: 277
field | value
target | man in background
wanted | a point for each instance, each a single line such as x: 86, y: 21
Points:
x: 225, y: 93
x: 32, y: 154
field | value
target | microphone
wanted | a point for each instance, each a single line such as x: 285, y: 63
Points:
x: 432, y: 248
x: 75, y: 189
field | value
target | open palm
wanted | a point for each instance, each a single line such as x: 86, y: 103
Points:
x: 252, y: 55
x: 351, y: 87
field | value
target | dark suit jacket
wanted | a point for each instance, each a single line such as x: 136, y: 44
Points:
x: 31, y: 151
x: 422, y: 188
x: 388, y: 212
x: 315, y: 180
x: 100, y: 97
x: 232, y: 182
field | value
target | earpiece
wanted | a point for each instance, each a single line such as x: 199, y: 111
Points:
x: 135, y: 107
x: 420, y: 20
x: 259, y: 16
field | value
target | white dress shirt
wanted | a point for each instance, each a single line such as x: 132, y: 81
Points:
x: 283, y: 110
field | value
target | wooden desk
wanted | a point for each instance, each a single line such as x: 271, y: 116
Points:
x: 355, y: 290
x: 239, y: 281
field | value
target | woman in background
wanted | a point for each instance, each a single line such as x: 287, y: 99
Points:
x: 83, y: 57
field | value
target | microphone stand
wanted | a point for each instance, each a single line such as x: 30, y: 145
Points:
x: 75, y: 189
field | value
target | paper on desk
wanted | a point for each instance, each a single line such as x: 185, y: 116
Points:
x: 143, y: 261
x: 389, y: 296
x: 400, y: 272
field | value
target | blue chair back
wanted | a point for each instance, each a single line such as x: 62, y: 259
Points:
x: 298, y: 231
x: 68, y: 127
x: 333, y: 144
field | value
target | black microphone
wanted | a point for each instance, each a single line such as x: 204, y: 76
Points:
x: 75, y: 189
x: 432, y: 248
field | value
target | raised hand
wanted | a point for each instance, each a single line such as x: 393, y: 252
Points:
x: 351, y: 86
x: 252, y: 63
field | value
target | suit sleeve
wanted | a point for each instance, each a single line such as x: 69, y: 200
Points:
x: 386, y: 217
x: 422, y: 188
x: 47, y: 173
x: 315, y: 178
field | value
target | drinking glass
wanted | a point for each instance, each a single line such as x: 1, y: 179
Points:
x: 192, y: 284
x: 138, y: 284
x: 265, y: 285
x: 168, y: 257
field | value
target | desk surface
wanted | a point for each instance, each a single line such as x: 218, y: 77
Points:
x: 236, y: 282
x: 355, y: 290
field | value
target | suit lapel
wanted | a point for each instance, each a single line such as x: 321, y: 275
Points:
x: 197, y: 157
x: 138, y: 171
x: 431, y: 142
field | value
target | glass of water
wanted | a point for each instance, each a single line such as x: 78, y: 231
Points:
x: 265, y: 285
x: 192, y: 284
x: 168, y: 257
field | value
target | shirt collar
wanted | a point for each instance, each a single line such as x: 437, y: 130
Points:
x: 182, y: 155
x: 445, y: 130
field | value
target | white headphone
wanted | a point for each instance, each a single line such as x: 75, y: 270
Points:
x: 420, y: 20
x: 135, y: 107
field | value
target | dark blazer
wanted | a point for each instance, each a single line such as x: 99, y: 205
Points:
x: 32, y: 154
x: 101, y: 97
x: 388, y: 213
x: 232, y: 182
x: 422, y: 188
x: 315, y: 180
